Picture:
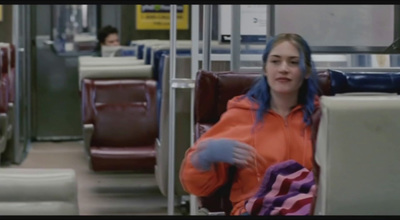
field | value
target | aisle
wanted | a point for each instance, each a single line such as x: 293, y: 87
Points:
x: 100, y: 193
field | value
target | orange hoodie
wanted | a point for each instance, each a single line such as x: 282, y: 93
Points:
x: 276, y: 140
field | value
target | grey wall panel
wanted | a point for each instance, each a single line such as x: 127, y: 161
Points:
x: 6, y: 24
x: 111, y: 15
x: 43, y: 21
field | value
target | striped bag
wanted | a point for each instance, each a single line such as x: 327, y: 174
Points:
x: 287, y: 189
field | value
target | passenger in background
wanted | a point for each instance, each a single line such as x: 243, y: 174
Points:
x: 269, y: 125
x: 107, y: 36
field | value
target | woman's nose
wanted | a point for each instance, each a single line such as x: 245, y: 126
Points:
x: 283, y: 67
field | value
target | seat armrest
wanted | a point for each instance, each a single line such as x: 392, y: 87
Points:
x: 88, y: 130
x: 10, y: 114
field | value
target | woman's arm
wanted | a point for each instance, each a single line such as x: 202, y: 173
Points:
x: 204, y: 168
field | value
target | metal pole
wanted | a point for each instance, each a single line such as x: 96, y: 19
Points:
x: 270, y: 22
x: 17, y: 104
x: 235, y: 38
x: 172, y: 68
x: 207, y: 18
x: 194, y: 68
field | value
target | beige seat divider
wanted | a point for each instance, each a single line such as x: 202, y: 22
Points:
x: 38, y: 192
x: 110, y: 72
x: 357, y: 149
x: 182, y: 126
x: 109, y: 61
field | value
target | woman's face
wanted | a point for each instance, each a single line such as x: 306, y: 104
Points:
x: 111, y: 40
x: 282, y: 69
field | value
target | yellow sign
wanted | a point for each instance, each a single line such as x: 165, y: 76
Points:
x: 1, y: 12
x: 157, y: 17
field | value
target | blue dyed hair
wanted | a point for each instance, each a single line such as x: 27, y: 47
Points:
x: 260, y: 92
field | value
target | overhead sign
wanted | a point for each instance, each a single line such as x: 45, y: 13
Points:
x: 253, y: 23
x: 157, y: 17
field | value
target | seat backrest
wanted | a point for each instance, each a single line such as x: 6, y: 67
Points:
x: 38, y: 192
x: 334, y: 82
x: 157, y: 62
x: 5, y: 61
x: 122, y: 111
x: 6, y: 81
x: 11, y: 96
x: 212, y: 92
x: 357, y: 151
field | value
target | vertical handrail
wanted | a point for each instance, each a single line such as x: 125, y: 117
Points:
x: 17, y: 79
x: 194, y: 69
x: 171, y: 155
x: 235, y: 38
x: 270, y: 22
x: 207, y: 18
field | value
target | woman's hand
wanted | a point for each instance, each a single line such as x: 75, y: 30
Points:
x: 244, y: 155
x: 223, y: 150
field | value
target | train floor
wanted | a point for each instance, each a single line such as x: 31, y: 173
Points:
x: 105, y: 193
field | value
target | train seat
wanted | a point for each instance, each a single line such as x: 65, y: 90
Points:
x: 3, y: 117
x: 157, y: 64
x: 360, y: 174
x: 12, y: 74
x: 214, y: 89
x: 334, y: 82
x: 5, y: 77
x: 120, y: 124
x: 8, y: 77
x: 212, y: 92
x: 150, y: 48
x: 38, y: 192
x: 182, y: 124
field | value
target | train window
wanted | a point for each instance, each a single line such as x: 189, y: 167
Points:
x: 344, y: 28
x: 74, y: 28
x: 341, y: 36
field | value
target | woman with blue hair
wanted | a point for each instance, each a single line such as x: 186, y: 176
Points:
x: 268, y: 125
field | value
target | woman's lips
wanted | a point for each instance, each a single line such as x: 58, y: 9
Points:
x: 283, y: 79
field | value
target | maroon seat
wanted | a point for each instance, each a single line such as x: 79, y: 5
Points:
x: 3, y: 108
x: 12, y: 75
x: 123, y: 115
x: 3, y: 85
x: 212, y: 92
x: 5, y: 70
